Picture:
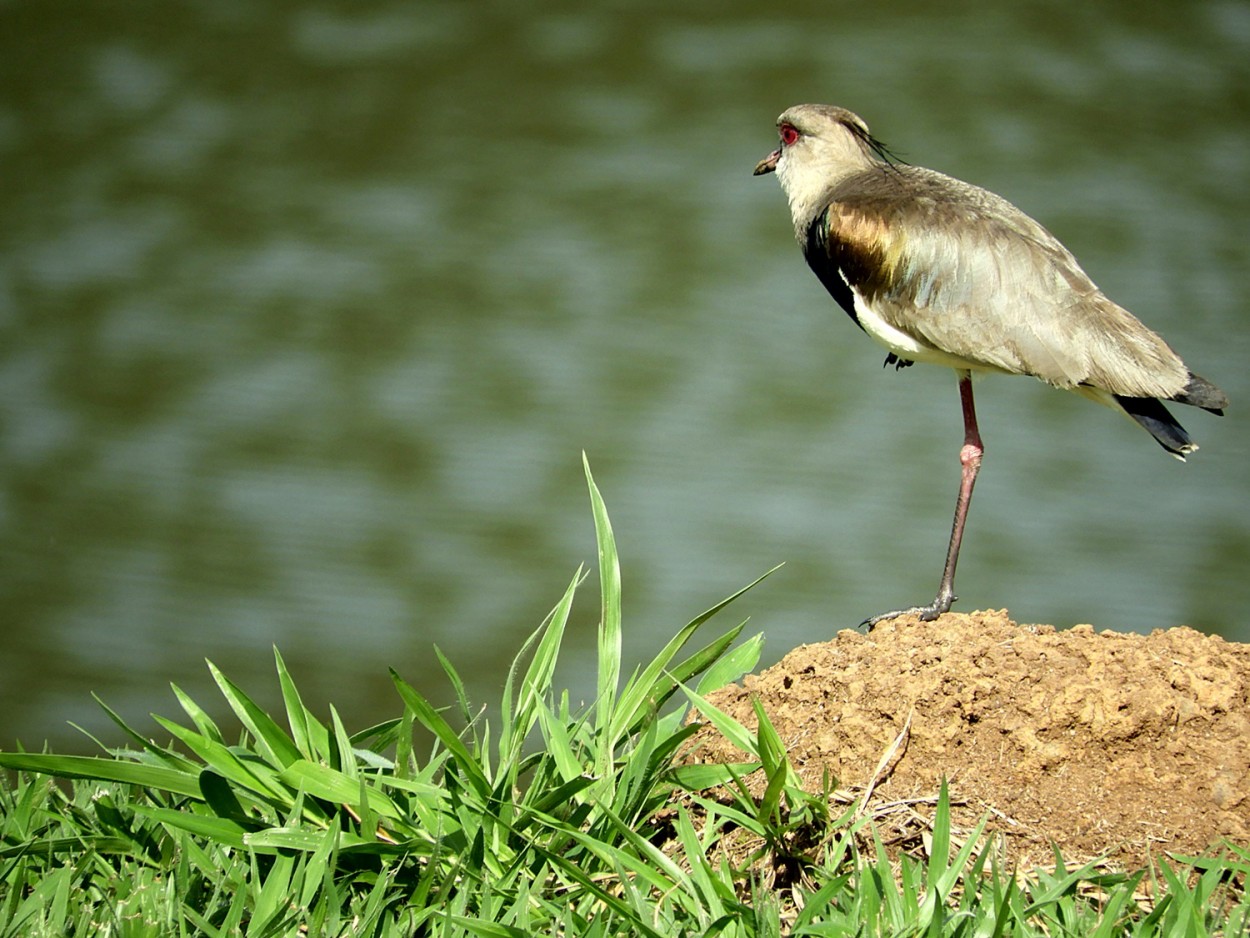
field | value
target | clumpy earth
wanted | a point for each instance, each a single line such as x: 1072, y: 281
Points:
x: 1115, y: 746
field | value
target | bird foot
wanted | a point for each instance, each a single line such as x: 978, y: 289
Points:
x: 941, y: 603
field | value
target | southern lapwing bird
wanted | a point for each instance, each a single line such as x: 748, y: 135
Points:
x: 944, y: 272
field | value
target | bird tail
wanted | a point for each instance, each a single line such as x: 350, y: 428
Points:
x: 1159, y: 423
x: 1202, y: 393
x: 1150, y: 413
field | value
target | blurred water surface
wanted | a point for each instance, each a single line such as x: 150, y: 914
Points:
x: 307, y: 312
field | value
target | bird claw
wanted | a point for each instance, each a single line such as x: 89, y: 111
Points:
x: 941, y: 603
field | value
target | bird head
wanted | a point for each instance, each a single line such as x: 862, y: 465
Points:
x: 821, y: 145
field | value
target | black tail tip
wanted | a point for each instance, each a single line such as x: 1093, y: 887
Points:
x: 1159, y: 423
x: 1200, y: 392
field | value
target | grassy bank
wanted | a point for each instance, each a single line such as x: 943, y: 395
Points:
x: 556, y: 820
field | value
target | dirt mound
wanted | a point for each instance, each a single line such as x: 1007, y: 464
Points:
x: 1115, y: 745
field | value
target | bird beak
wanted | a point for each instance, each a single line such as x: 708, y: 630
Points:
x: 768, y: 163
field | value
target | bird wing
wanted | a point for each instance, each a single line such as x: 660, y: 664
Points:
x: 964, y: 272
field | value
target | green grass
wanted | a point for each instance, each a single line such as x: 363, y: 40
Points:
x: 558, y: 821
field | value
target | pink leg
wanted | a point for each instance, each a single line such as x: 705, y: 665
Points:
x: 969, y: 463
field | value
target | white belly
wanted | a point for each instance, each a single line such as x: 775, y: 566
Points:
x: 906, y: 346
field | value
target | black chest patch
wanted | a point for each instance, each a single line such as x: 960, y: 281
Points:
x: 837, y: 265
x: 819, y: 259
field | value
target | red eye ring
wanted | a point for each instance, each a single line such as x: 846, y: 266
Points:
x: 789, y: 134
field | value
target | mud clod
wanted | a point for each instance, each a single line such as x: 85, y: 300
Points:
x: 1110, y: 745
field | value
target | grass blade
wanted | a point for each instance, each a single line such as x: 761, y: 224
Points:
x: 104, y: 770
x: 430, y: 718
x: 609, y: 622
x: 642, y: 693
x: 536, y: 683
x: 309, y: 734
x: 274, y: 744
x: 326, y: 783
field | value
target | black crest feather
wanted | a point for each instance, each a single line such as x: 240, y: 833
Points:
x: 884, y: 153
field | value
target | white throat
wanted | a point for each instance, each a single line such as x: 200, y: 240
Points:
x: 812, y: 168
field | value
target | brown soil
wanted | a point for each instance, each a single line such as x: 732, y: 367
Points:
x: 1108, y: 745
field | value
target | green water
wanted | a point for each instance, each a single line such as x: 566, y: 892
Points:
x: 307, y: 312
